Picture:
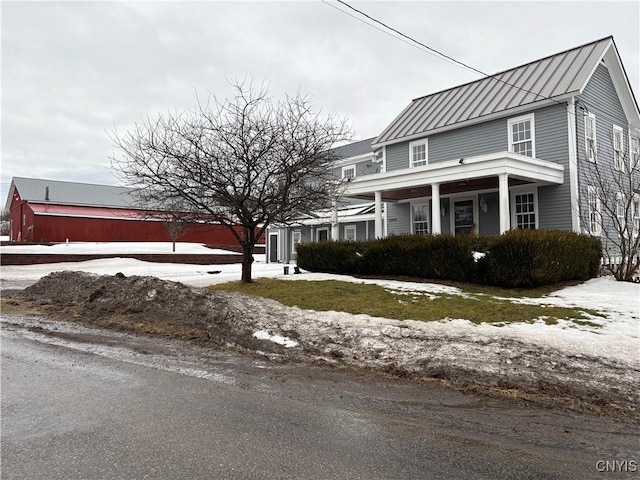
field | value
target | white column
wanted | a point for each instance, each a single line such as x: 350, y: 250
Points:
x: 436, y: 228
x: 378, y: 215
x: 505, y: 217
x: 335, y: 229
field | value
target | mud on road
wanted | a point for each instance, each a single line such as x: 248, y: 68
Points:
x: 257, y: 326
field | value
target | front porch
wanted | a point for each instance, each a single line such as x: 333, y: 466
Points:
x: 463, y: 181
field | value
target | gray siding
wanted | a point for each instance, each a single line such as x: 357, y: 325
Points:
x: 398, y: 218
x: 552, y: 144
x: 468, y: 142
x: 600, y: 98
x: 397, y: 156
x: 489, y: 222
x: 365, y: 167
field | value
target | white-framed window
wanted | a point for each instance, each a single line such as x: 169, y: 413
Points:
x: 525, y: 211
x: 420, y: 218
x: 348, y: 172
x: 618, y: 148
x: 522, y: 135
x: 635, y: 214
x: 350, y: 233
x: 634, y: 152
x: 418, y: 153
x: 590, y: 136
x: 296, y: 238
x: 621, y: 214
x: 593, y: 206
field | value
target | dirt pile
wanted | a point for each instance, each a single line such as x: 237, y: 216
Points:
x: 251, y: 324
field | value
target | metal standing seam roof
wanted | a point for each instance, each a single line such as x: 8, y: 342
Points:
x: 549, y: 78
x: 71, y: 193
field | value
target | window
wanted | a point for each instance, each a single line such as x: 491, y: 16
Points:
x: 594, y: 210
x: 635, y: 214
x: 418, y: 153
x: 349, y: 172
x: 521, y: 136
x: 296, y: 238
x: 421, y: 219
x: 350, y: 233
x: 635, y: 152
x: 525, y: 211
x: 590, y: 136
x: 618, y: 148
x: 323, y: 234
x: 620, y: 212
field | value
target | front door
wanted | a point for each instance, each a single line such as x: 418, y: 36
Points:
x: 273, y: 247
x: 463, y: 217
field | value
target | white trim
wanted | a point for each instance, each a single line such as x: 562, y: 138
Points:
x: 357, y: 159
x: 591, y: 190
x: 524, y: 190
x: 524, y: 118
x: 573, y: 166
x: 277, y: 235
x: 618, y: 154
x: 490, y: 165
x: 634, y: 151
x: 347, y: 168
x: 293, y: 242
x: 418, y: 143
x: 355, y: 232
x: 322, y: 229
x: 591, y: 153
x: 420, y: 203
x: 463, y: 197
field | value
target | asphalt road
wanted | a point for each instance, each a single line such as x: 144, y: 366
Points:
x: 81, y: 405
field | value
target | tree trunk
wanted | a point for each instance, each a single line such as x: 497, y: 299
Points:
x: 248, y: 242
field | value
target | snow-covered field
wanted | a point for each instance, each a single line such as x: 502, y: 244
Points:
x: 612, y: 340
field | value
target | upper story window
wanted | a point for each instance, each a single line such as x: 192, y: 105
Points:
x: 522, y: 135
x: 618, y: 148
x: 421, y: 219
x: 590, y: 136
x: 418, y: 153
x: 349, y: 172
x: 634, y: 152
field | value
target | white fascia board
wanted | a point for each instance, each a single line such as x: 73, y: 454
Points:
x: 346, y: 219
x: 512, y: 112
x: 482, y: 166
x: 622, y: 86
x: 351, y: 160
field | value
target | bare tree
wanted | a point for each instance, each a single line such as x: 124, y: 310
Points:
x: 245, y: 162
x: 4, y: 223
x: 610, y: 207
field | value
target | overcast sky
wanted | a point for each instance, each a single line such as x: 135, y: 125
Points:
x: 71, y: 71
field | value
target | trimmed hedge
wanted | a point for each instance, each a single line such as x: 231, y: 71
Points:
x: 519, y: 258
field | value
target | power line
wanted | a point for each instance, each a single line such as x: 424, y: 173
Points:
x: 438, y: 53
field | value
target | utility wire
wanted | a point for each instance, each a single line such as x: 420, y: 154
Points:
x: 436, y: 52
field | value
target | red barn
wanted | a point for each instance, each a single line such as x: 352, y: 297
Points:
x: 55, y: 211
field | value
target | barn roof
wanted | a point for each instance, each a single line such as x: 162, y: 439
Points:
x: 550, y: 79
x: 39, y: 190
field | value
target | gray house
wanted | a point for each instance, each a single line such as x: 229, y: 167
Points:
x: 351, y: 219
x: 506, y: 151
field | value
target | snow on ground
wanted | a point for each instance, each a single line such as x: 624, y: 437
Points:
x: 612, y: 337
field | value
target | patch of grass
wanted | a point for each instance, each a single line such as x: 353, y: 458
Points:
x: 379, y: 301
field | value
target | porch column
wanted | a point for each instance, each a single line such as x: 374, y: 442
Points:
x: 436, y: 228
x: 335, y: 229
x: 505, y: 217
x: 378, y: 214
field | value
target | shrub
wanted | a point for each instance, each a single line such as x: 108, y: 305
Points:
x: 530, y: 258
x: 329, y: 257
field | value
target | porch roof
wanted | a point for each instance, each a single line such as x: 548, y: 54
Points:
x: 473, y: 173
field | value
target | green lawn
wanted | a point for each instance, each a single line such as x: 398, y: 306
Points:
x: 476, y: 305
